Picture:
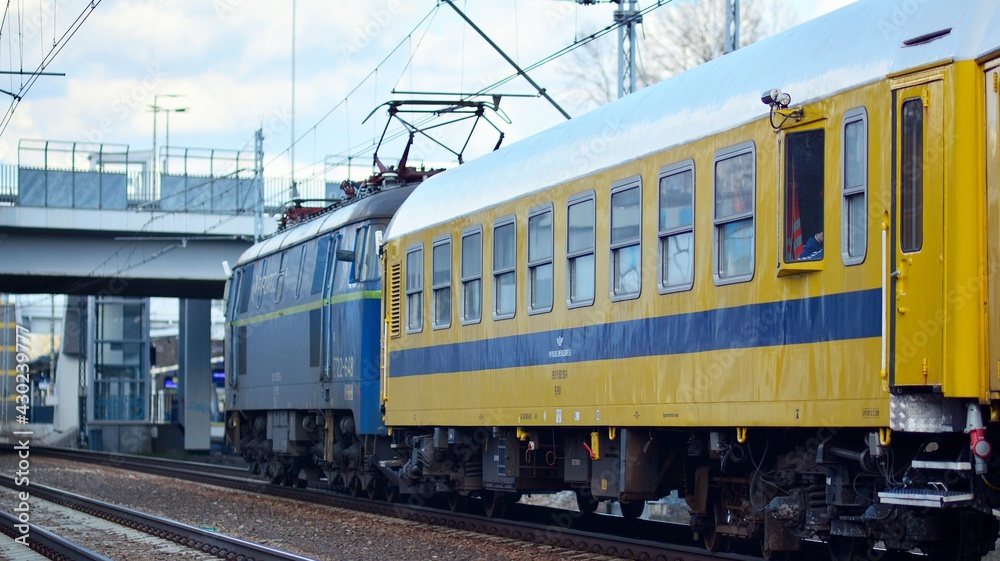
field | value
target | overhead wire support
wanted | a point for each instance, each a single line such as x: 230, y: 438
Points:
x: 541, y: 91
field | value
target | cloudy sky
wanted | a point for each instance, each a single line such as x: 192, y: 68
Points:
x: 231, y: 62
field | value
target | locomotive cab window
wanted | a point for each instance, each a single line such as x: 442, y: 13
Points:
x: 504, y: 264
x: 472, y: 275
x: 626, y: 248
x: 676, y: 227
x: 734, y: 236
x: 441, y: 282
x: 540, y: 259
x: 804, y: 170
x: 580, y: 241
x: 414, y: 289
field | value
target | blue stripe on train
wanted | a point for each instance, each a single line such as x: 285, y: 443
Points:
x: 834, y: 317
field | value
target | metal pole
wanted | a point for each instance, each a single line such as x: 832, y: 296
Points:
x: 258, y: 180
x: 628, y: 20
x: 541, y: 90
x: 732, y: 40
x: 293, y: 190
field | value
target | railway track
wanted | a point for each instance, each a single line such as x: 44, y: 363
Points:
x: 47, y: 544
x: 598, y: 534
x: 207, y: 542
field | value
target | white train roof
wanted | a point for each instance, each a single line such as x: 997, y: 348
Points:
x: 855, y: 45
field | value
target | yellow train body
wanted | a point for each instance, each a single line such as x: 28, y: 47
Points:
x: 936, y: 314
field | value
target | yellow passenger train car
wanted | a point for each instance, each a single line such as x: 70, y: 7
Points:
x: 785, y: 305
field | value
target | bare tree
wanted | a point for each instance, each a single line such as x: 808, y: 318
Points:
x: 675, y: 38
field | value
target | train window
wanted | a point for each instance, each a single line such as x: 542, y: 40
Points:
x: 504, y: 263
x: 246, y: 282
x: 626, y: 249
x: 540, y: 259
x: 302, y: 266
x: 371, y: 266
x: 472, y: 275
x: 360, y: 242
x: 414, y: 289
x: 441, y: 282
x: 804, y: 170
x: 279, y: 283
x: 580, y: 241
x: 734, y: 213
x: 259, y: 285
x: 854, y: 233
x: 676, y: 227
x: 911, y: 199
x: 322, y: 256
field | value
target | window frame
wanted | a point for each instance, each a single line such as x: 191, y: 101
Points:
x: 735, y: 151
x: 408, y: 291
x: 580, y: 198
x: 857, y: 115
x: 302, y: 266
x: 279, y: 282
x: 665, y: 233
x: 360, y: 246
x: 465, y: 279
x: 620, y: 186
x: 540, y: 210
x: 447, y: 284
x: 915, y: 197
x: 499, y: 223
x: 259, y: 297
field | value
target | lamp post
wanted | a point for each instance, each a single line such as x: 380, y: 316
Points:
x: 156, y: 108
x: 166, y: 144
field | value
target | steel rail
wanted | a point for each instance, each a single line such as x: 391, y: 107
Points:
x: 46, y: 543
x: 219, y: 545
x: 557, y: 532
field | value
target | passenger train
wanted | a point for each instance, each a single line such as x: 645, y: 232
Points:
x: 783, y: 305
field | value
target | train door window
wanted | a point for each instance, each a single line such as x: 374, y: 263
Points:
x: 246, y: 284
x: 804, y: 170
x: 854, y: 233
x: 414, y: 289
x: 302, y: 265
x: 504, y: 264
x: 580, y: 241
x: 322, y: 256
x: 626, y: 249
x: 258, y: 296
x: 676, y: 227
x: 472, y: 275
x: 540, y: 259
x: 911, y: 200
x: 441, y: 282
x: 734, y: 213
x: 279, y: 282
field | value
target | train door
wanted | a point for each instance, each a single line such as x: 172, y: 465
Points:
x: 992, y: 122
x: 328, y: 331
x: 918, y: 231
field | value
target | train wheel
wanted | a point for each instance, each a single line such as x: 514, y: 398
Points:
x: 632, y: 509
x: 843, y: 548
x: 374, y: 490
x: 714, y: 541
x: 456, y: 502
x: 354, y: 486
x: 495, y: 503
x: 392, y: 493
x: 585, y: 501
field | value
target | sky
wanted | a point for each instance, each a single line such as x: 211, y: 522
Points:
x: 229, y: 64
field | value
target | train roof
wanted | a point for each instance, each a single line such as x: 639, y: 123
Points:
x: 382, y: 204
x: 858, y: 44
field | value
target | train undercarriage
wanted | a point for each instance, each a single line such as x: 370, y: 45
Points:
x: 774, y: 487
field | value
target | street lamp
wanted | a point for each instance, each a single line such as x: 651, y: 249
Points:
x: 166, y: 144
x: 156, y: 108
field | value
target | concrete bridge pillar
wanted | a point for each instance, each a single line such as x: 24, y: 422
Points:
x: 195, y: 372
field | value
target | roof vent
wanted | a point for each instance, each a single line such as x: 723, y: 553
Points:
x: 927, y: 37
